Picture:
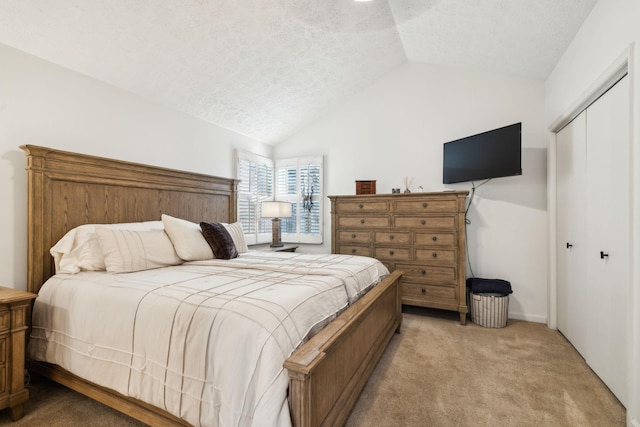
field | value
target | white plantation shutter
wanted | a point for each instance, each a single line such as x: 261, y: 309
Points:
x: 256, y: 185
x: 299, y: 181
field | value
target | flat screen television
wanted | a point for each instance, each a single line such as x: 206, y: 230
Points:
x: 492, y: 154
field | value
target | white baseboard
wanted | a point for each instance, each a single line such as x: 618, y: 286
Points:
x: 528, y: 318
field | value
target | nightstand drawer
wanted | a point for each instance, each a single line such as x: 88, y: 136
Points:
x: 5, y: 320
x: 448, y: 222
x: 3, y: 364
x: 3, y: 379
x: 354, y: 236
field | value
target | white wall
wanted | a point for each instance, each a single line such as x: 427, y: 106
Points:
x: 611, y: 28
x: 43, y: 104
x: 396, y: 128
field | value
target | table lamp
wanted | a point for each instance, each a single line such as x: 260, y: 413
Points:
x: 276, y: 210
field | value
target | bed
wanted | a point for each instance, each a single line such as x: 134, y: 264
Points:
x: 325, y: 374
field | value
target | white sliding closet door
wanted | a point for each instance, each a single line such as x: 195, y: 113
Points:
x: 608, y: 219
x: 572, y: 238
x: 593, y: 234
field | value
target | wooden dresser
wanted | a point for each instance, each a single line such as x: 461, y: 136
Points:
x: 14, y: 307
x: 422, y: 234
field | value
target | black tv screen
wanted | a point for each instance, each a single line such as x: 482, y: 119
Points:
x: 491, y: 154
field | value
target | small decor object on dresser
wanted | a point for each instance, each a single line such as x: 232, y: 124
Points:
x: 366, y: 187
x: 14, y: 306
x: 407, y: 184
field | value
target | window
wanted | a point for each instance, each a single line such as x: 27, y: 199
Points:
x: 299, y: 181
x: 256, y: 185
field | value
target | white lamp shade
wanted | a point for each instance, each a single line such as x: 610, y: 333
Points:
x: 276, y: 209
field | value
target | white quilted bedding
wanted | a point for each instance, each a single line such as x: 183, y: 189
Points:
x: 206, y: 340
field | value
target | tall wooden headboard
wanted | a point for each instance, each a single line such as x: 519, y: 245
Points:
x: 68, y: 189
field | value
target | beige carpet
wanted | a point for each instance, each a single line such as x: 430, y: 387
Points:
x: 435, y: 373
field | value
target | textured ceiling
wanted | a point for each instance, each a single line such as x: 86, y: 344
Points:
x: 267, y: 68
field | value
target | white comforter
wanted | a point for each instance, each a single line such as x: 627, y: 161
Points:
x: 204, y: 342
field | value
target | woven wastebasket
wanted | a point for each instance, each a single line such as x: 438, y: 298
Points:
x: 489, y: 309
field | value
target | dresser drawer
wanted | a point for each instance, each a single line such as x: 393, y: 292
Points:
x: 363, y: 206
x: 436, y: 256
x: 354, y: 250
x: 435, y: 239
x: 397, y: 238
x: 410, y: 290
x: 363, y: 221
x: 427, y: 206
x: 392, y: 254
x: 448, y: 222
x: 354, y: 236
x: 445, y: 275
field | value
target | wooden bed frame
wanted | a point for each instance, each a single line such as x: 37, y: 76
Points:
x: 67, y: 189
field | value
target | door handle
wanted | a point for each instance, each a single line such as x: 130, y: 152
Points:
x: 569, y: 245
x: 603, y: 255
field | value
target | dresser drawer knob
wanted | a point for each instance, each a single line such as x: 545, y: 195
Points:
x: 424, y: 272
x: 353, y: 251
x: 391, y: 253
x: 424, y: 205
x: 435, y: 255
x: 391, y: 237
x: 362, y: 221
x: 434, y: 238
x: 353, y: 236
x: 423, y: 222
x: 424, y: 291
x: 361, y: 206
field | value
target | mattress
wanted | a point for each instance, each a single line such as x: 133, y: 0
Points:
x: 205, y: 341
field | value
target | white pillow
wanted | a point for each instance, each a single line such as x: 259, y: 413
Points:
x: 134, y: 250
x: 80, y: 249
x: 187, y: 239
x: 237, y: 234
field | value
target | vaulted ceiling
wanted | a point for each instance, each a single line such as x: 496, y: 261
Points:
x: 267, y: 68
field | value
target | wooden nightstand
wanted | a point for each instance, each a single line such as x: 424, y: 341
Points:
x: 14, y: 307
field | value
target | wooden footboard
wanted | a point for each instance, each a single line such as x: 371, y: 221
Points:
x: 328, y: 373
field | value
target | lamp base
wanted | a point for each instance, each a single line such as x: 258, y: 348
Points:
x: 275, y: 233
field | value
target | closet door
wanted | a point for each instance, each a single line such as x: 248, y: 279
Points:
x: 608, y: 228
x: 571, y: 158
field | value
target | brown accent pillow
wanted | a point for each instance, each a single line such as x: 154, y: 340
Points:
x: 220, y: 240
